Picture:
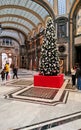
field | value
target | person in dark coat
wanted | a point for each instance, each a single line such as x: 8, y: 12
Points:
x: 3, y: 74
x: 78, y: 76
x: 15, y: 71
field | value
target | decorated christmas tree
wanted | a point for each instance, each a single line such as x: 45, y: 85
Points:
x: 49, y: 61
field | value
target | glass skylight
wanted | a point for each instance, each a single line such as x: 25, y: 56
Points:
x: 61, y: 7
x: 26, y: 13
x: 15, y: 26
x: 51, y: 2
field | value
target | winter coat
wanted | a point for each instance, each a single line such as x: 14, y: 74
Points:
x: 7, y: 68
x: 78, y: 72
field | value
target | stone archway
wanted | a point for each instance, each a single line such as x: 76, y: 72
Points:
x: 71, y: 32
x: 8, y: 55
x: 4, y: 59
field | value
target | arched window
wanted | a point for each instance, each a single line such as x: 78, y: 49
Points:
x: 61, y: 7
x: 62, y: 28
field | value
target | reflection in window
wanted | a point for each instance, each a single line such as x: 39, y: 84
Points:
x: 61, y: 7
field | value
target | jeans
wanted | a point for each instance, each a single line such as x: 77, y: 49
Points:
x: 79, y: 83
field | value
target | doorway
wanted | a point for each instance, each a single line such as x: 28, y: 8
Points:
x: 78, y: 55
x: 5, y: 59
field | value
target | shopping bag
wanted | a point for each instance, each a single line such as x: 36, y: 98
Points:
x: 8, y: 76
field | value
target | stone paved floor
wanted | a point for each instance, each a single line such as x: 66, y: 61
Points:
x: 20, y: 115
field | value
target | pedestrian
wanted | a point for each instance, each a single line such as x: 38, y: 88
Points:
x: 15, y: 71
x: 73, y: 75
x: 3, y: 74
x: 78, y: 76
x: 7, y: 69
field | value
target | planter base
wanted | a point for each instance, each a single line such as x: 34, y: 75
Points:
x: 49, y: 81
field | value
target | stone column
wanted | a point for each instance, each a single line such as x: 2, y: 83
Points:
x: 55, y: 7
x: 71, y: 42
x: 0, y: 60
x: 67, y: 6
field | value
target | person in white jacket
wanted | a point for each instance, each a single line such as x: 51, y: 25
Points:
x: 73, y: 74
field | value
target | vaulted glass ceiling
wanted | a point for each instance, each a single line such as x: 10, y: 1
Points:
x: 24, y: 15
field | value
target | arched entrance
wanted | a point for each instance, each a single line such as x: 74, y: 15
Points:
x: 78, y: 55
x: 6, y: 58
x: 73, y: 48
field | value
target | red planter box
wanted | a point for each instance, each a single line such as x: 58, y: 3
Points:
x: 49, y: 81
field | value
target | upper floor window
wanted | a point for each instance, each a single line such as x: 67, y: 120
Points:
x: 62, y: 28
x: 7, y: 42
x: 61, y: 7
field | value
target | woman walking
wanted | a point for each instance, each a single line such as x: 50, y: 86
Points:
x: 15, y: 70
x: 73, y: 74
x: 7, y: 69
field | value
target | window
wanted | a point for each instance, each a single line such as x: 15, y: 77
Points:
x: 10, y: 42
x: 61, y: 30
x: 7, y: 42
x: 3, y: 43
x: 61, y: 7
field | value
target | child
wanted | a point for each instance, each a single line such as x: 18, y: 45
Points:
x: 3, y: 74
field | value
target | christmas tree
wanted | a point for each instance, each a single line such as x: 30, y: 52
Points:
x: 49, y: 61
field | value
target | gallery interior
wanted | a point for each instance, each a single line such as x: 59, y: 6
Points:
x: 22, y: 28
x: 24, y: 106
